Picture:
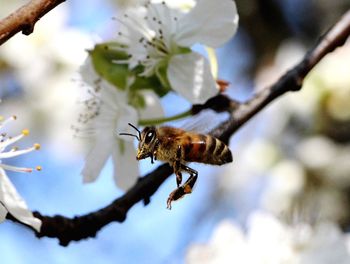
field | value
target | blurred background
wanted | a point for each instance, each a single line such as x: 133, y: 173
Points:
x: 291, y: 160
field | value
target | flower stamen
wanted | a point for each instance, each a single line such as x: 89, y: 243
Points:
x: 15, y: 169
x: 14, y: 151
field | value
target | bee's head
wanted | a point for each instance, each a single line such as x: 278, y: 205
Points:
x: 147, y: 142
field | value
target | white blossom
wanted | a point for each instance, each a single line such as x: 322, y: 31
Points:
x: 107, y: 113
x: 268, y: 240
x: 53, y: 54
x: 159, y: 37
x: 10, y: 201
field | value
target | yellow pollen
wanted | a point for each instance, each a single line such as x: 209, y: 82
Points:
x: 14, y: 117
x: 1, y: 118
x: 37, y: 146
x: 15, y: 148
x: 38, y: 168
x: 187, y: 189
x: 25, y: 132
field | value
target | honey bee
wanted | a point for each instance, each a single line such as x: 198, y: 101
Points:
x: 177, y: 147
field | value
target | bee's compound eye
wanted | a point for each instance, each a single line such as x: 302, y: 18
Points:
x: 149, y: 137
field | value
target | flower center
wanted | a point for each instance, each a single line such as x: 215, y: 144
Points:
x: 148, y: 35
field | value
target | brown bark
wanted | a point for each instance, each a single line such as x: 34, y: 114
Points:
x: 25, y: 18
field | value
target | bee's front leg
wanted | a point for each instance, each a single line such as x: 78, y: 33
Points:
x: 184, y: 189
x: 155, y: 150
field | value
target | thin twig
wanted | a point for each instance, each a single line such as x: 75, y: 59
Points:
x: 292, y: 80
x: 24, y: 18
x: 81, y: 227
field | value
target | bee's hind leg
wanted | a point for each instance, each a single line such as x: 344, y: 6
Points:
x: 177, y: 167
x: 186, y: 188
x: 188, y: 185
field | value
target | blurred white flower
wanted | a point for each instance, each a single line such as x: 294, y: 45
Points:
x: 327, y: 158
x: 315, y: 171
x: 317, y: 152
x: 256, y: 157
x: 159, y: 38
x: 107, y: 113
x: 268, y: 240
x: 275, y: 242
x: 331, y: 78
x: 10, y: 201
x: 285, y: 182
x: 327, y: 87
x: 293, y: 191
x: 53, y: 54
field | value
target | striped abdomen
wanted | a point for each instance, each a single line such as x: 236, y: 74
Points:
x: 205, y: 149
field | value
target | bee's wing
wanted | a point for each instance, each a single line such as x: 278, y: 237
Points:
x: 203, y: 123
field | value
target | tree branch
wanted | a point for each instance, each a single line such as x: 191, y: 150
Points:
x: 81, y: 227
x: 24, y: 18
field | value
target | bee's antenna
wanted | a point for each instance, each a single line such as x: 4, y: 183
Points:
x: 132, y: 135
x: 127, y: 134
x: 139, y: 138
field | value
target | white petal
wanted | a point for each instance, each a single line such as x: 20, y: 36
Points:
x: 190, y: 76
x: 126, y: 168
x: 3, y: 213
x: 127, y: 115
x: 125, y: 4
x: 167, y: 17
x: 97, y: 157
x: 111, y: 94
x: 15, y: 204
x: 88, y: 72
x: 153, y: 107
x: 183, y: 5
x: 211, y: 23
